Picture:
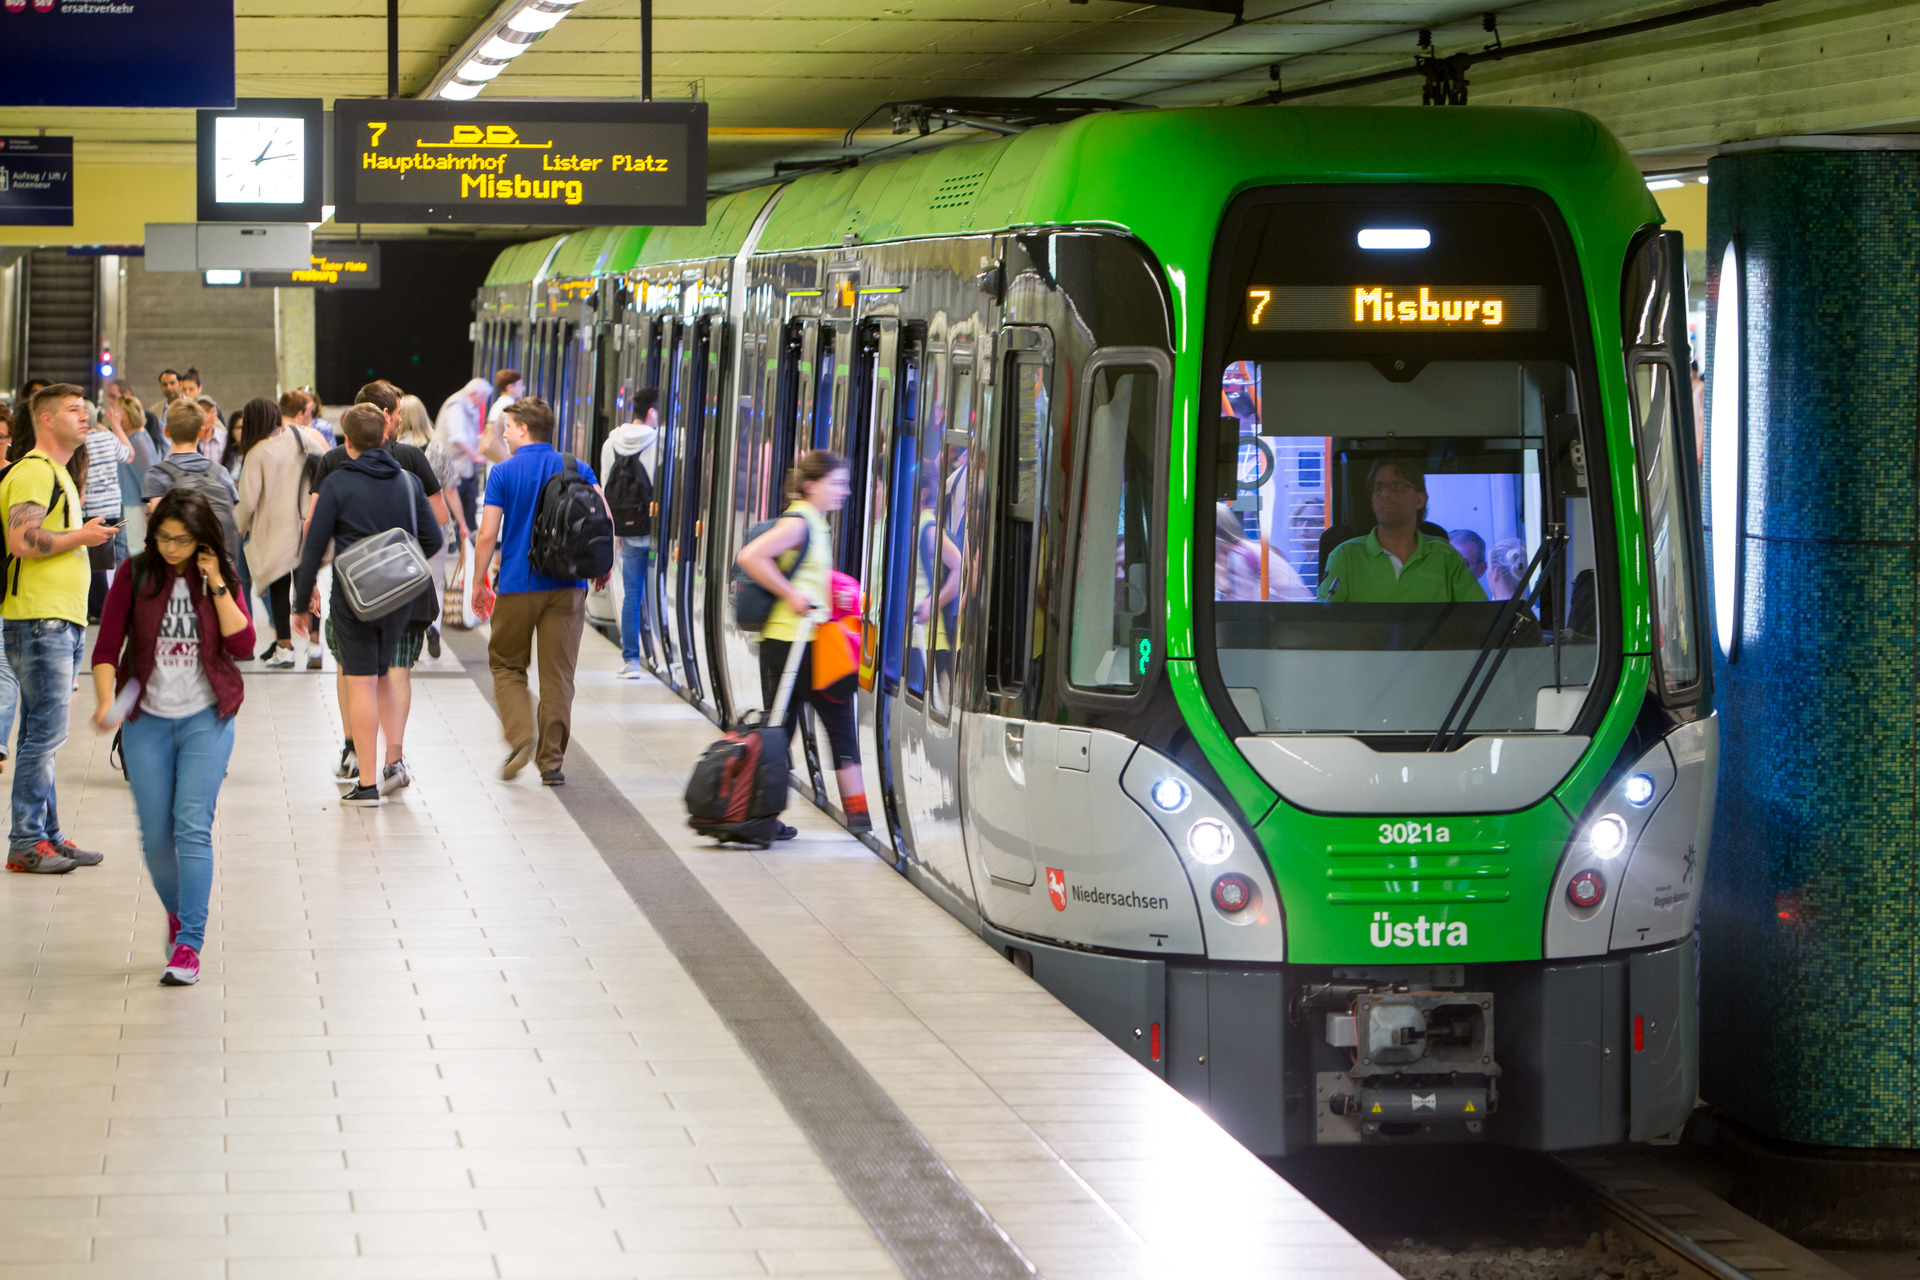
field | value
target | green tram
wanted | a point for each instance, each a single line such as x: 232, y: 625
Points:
x: 1343, y: 859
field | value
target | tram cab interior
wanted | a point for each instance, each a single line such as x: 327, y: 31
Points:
x: 1495, y: 446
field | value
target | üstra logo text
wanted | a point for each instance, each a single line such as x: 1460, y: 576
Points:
x: 1386, y: 932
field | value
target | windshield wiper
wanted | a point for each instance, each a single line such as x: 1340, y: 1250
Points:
x: 1500, y: 638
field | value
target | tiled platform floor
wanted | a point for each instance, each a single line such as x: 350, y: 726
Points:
x: 438, y: 1040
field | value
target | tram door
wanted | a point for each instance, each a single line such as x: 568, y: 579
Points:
x: 664, y: 589
x: 896, y: 356
x: 926, y: 739
x: 1014, y: 766
x: 833, y: 428
x: 694, y: 497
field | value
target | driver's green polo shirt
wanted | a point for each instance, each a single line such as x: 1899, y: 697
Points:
x: 1361, y: 572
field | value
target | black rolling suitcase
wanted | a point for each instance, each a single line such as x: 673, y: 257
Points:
x: 739, y: 786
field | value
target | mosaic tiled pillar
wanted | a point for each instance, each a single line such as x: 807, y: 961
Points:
x: 1810, y: 929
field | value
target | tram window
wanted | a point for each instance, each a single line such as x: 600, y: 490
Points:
x: 792, y: 411
x: 1676, y: 634
x: 1478, y: 467
x: 930, y: 545
x: 1009, y: 630
x: 1111, y: 648
x: 823, y: 393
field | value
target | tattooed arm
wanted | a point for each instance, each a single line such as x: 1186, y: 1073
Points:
x: 28, y: 540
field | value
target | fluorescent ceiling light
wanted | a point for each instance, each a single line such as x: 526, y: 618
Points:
x: 224, y: 275
x: 1702, y: 179
x: 534, y: 21
x: 475, y: 69
x: 500, y: 50
x: 1395, y: 238
x: 459, y: 92
x: 1664, y: 184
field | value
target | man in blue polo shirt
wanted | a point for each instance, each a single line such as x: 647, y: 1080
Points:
x: 1395, y: 563
x: 529, y: 605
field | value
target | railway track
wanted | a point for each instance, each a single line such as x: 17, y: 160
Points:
x: 1490, y: 1213
x: 1685, y: 1226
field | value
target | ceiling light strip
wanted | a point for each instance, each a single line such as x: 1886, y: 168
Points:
x: 507, y: 33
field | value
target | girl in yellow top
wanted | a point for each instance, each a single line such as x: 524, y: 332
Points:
x: 816, y: 488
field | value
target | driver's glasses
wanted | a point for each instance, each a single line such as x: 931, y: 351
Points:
x: 1392, y: 486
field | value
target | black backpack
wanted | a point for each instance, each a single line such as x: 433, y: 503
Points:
x: 753, y: 603
x: 572, y: 536
x: 630, y: 493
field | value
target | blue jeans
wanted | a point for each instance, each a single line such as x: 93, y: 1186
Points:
x: 634, y: 555
x: 176, y: 767
x: 41, y: 653
x: 9, y: 701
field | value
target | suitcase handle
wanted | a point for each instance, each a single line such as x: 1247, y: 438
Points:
x: 785, y: 693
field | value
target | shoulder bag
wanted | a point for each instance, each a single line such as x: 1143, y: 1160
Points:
x: 386, y: 570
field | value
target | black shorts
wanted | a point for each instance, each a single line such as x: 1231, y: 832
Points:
x: 366, y: 648
x: 834, y: 704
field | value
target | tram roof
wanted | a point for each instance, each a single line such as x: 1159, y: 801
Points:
x: 1155, y: 173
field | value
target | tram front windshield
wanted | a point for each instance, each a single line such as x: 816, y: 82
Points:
x: 1403, y: 529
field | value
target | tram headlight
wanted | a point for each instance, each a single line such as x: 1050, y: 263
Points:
x: 1210, y: 841
x: 1607, y: 837
x: 1639, y: 790
x: 1170, y: 795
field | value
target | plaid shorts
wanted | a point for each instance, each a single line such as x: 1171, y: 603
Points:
x: 405, y: 654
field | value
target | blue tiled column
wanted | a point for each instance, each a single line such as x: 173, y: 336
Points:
x: 1812, y: 906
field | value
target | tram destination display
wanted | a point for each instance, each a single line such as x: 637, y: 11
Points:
x: 520, y: 163
x: 1371, y: 307
x: 334, y: 266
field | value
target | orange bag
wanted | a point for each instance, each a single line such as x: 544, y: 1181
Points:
x: 836, y: 644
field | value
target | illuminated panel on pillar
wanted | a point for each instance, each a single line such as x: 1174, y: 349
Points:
x: 1363, y: 307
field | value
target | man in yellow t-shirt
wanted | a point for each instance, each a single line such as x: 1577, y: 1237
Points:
x: 44, y: 614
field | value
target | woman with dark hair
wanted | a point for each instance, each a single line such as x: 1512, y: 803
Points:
x: 816, y: 488
x: 272, y: 457
x: 170, y: 634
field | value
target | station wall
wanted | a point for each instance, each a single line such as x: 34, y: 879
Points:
x: 173, y: 321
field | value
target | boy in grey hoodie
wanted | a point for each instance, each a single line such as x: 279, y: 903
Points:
x: 629, y: 447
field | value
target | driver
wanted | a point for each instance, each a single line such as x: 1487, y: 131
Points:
x: 1395, y: 563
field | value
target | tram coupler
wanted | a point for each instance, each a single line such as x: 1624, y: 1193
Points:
x: 1419, y: 1060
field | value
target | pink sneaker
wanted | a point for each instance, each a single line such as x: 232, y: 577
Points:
x: 173, y: 931
x: 183, y: 970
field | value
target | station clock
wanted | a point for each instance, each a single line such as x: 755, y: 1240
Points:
x: 261, y: 161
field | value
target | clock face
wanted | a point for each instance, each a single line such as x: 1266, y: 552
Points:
x: 259, y: 160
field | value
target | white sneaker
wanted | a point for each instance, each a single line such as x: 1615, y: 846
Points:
x: 282, y: 659
x: 395, y: 776
x: 631, y: 671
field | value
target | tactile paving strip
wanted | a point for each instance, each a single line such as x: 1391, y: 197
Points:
x: 916, y: 1206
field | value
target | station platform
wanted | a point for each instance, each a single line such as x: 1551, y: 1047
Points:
x: 499, y: 1030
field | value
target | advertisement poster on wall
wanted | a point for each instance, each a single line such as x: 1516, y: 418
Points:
x: 117, y: 53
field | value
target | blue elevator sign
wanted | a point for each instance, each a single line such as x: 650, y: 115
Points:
x: 36, y: 182
x: 117, y: 53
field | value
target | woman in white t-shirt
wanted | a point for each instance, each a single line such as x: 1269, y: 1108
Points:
x: 172, y: 631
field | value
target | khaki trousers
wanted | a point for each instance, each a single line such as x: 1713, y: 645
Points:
x: 556, y: 618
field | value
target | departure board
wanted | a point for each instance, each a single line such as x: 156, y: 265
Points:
x: 520, y: 163
x: 1374, y: 307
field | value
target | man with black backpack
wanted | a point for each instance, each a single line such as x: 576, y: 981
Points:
x: 626, y: 475
x: 545, y: 514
